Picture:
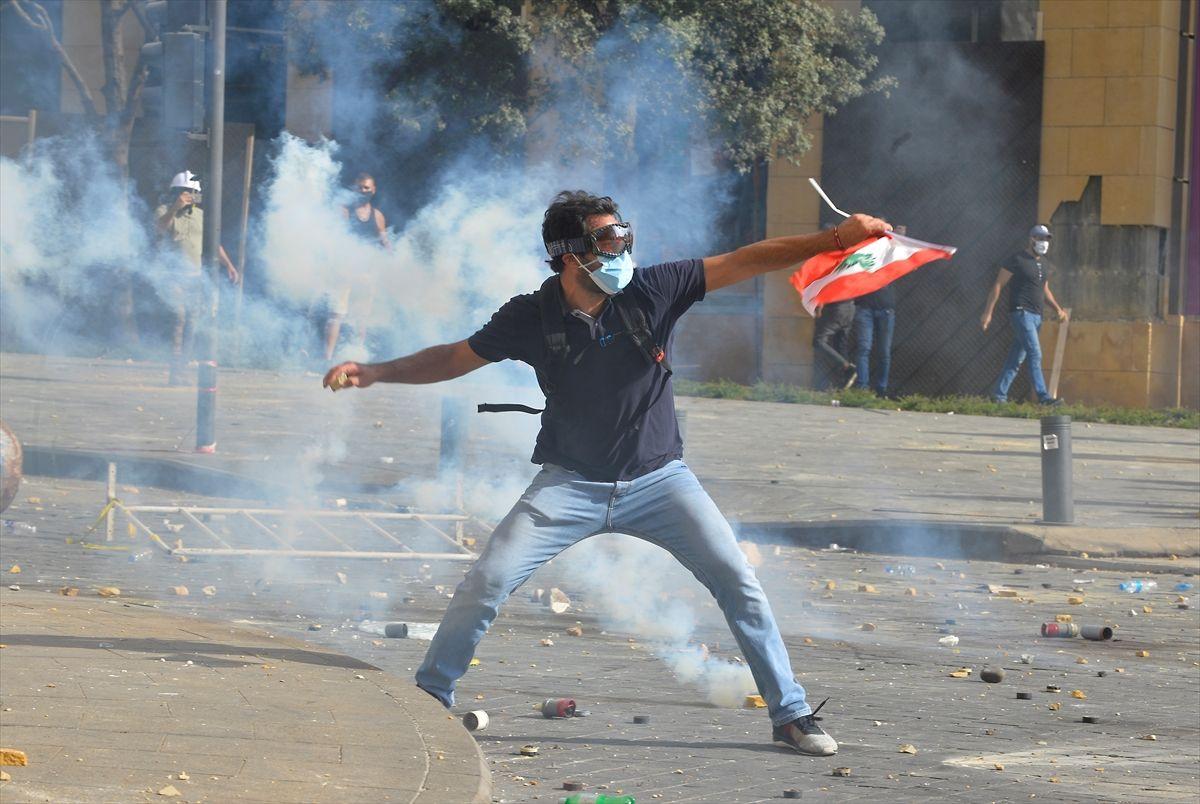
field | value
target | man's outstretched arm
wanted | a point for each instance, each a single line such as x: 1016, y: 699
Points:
x: 435, y: 364
x: 778, y: 253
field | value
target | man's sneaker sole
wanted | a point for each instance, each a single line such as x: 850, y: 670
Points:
x: 818, y: 744
x: 815, y: 745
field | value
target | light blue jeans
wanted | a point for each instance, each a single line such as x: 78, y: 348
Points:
x: 1025, y: 342
x: 871, y: 325
x: 666, y: 507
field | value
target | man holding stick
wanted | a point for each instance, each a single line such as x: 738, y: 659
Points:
x: 609, y: 446
x: 1027, y: 275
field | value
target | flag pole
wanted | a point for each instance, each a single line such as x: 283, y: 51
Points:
x: 821, y: 193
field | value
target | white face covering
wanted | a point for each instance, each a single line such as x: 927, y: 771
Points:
x: 1040, y: 247
x: 613, y: 274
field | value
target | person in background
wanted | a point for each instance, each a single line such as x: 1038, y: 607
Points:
x: 180, y: 222
x: 597, y: 335
x: 367, y: 222
x: 874, y: 325
x: 1027, y: 275
x: 831, y: 340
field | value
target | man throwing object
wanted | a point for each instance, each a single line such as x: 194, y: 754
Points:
x: 597, y: 334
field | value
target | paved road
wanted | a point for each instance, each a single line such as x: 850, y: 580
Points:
x: 793, y: 477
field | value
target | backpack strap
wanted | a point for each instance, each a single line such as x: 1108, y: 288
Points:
x: 634, y: 319
x: 554, y: 330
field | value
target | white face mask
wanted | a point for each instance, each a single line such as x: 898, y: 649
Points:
x: 1040, y: 247
x: 613, y: 274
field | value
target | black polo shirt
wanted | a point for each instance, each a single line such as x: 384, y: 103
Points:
x: 612, y: 415
x: 1027, y: 288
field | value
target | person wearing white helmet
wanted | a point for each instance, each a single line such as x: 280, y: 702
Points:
x: 180, y: 221
x: 1028, y: 289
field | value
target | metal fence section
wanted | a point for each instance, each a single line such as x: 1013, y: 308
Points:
x: 226, y: 531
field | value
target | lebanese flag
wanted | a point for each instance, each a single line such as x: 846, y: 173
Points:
x: 877, y: 261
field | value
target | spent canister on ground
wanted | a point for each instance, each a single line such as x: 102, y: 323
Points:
x: 474, y: 721
x: 1057, y: 494
x: 1060, y: 630
x: 1097, y: 633
x: 558, y: 707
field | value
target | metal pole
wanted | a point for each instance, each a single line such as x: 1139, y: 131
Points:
x: 206, y: 392
x: 453, y: 445
x: 1057, y: 496
x: 112, y: 496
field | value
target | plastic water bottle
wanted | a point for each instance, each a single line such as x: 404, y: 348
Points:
x: 13, y: 526
x: 1182, y: 587
x: 1133, y: 587
x: 597, y: 798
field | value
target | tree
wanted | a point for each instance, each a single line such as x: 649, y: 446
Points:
x: 754, y: 70
x: 121, y: 90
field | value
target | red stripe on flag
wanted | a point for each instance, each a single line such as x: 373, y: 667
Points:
x: 855, y: 285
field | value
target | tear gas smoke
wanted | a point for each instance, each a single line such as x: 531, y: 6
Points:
x: 639, y: 588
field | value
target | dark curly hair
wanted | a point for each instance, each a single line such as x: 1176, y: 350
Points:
x: 565, y: 217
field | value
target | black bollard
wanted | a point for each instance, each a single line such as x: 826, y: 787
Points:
x: 1057, y: 496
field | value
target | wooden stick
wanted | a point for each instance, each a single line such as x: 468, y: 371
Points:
x: 1059, y: 347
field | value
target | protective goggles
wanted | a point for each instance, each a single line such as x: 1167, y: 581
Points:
x: 612, y: 240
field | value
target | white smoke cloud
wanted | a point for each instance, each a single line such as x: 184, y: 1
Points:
x: 639, y: 588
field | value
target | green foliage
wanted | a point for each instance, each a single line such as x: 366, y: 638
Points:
x: 965, y: 405
x: 755, y: 70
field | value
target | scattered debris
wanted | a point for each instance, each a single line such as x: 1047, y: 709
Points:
x: 754, y: 702
x: 547, y: 643
x: 558, y: 601
x: 1080, y: 694
x: 529, y: 750
x: 1143, y: 654
x: 641, y: 719
x: 1024, y: 696
x: 907, y: 748
x: 992, y: 675
x: 69, y: 591
x: 1054, y: 707
x: 948, y: 641
x: 11, y: 756
x: 558, y: 707
x: 841, y: 771
x: 575, y: 630
x: 475, y: 721
x: 867, y: 626
x: 169, y: 791
x: 396, y: 630
x: 180, y: 591
x: 961, y: 673
x: 1075, y: 600
x: 108, y: 591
